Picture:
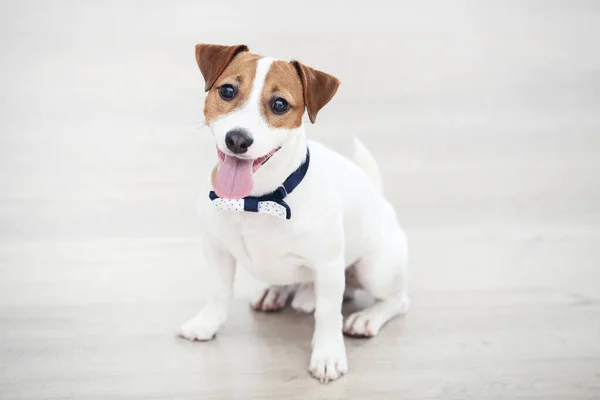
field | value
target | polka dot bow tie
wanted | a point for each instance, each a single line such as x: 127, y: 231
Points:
x: 271, y: 203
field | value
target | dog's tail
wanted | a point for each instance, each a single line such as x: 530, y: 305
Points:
x: 367, y: 163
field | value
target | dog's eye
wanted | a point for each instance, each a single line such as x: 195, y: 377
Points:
x: 279, y: 106
x: 227, y: 92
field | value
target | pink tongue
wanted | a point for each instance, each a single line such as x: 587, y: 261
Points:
x: 234, y: 178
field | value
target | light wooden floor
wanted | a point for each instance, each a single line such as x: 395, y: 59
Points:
x: 484, y: 116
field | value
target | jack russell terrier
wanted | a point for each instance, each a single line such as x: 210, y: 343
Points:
x: 309, y: 222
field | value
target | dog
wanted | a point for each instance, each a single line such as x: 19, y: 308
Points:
x: 299, y: 216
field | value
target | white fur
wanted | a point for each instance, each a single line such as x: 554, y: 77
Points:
x: 339, y: 219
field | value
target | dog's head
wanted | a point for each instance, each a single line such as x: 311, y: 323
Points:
x: 254, y: 108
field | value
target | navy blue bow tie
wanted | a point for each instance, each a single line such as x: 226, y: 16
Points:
x: 271, y: 203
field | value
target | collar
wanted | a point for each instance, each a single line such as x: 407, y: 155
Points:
x: 270, y: 203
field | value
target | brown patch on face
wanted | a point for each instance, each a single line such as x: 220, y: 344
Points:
x: 282, y: 81
x: 212, y: 60
x: 240, y: 74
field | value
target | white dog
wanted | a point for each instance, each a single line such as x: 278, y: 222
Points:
x: 291, y: 211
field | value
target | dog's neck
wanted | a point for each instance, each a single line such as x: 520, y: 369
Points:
x: 275, y: 171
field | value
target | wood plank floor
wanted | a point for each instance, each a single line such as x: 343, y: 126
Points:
x: 484, y: 117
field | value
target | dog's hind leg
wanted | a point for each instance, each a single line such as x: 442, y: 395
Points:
x: 272, y: 297
x: 383, y: 274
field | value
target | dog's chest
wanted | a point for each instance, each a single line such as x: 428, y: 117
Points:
x: 271, y: 249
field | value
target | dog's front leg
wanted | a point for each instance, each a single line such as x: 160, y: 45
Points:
x: 220, y: 271
x: 328, y: 359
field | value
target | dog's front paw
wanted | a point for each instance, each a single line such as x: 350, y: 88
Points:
x: 198, y: 328
x: 328, y: 361
x: 202, y: 327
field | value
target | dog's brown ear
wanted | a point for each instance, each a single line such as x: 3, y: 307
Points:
x: 213, y: 59
x: 318, y: 86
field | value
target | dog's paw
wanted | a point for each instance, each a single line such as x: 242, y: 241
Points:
x: 368, y: 322
x: 200, y: 328
x: 272, y: 298
x: 363, y: 324
x: 305, y: 299
x: 328, y: 361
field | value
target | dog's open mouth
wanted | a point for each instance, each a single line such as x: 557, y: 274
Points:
x: 259, y: 162
x: 234, y: 179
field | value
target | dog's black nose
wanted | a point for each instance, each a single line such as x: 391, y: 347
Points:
x: 238, y: 141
